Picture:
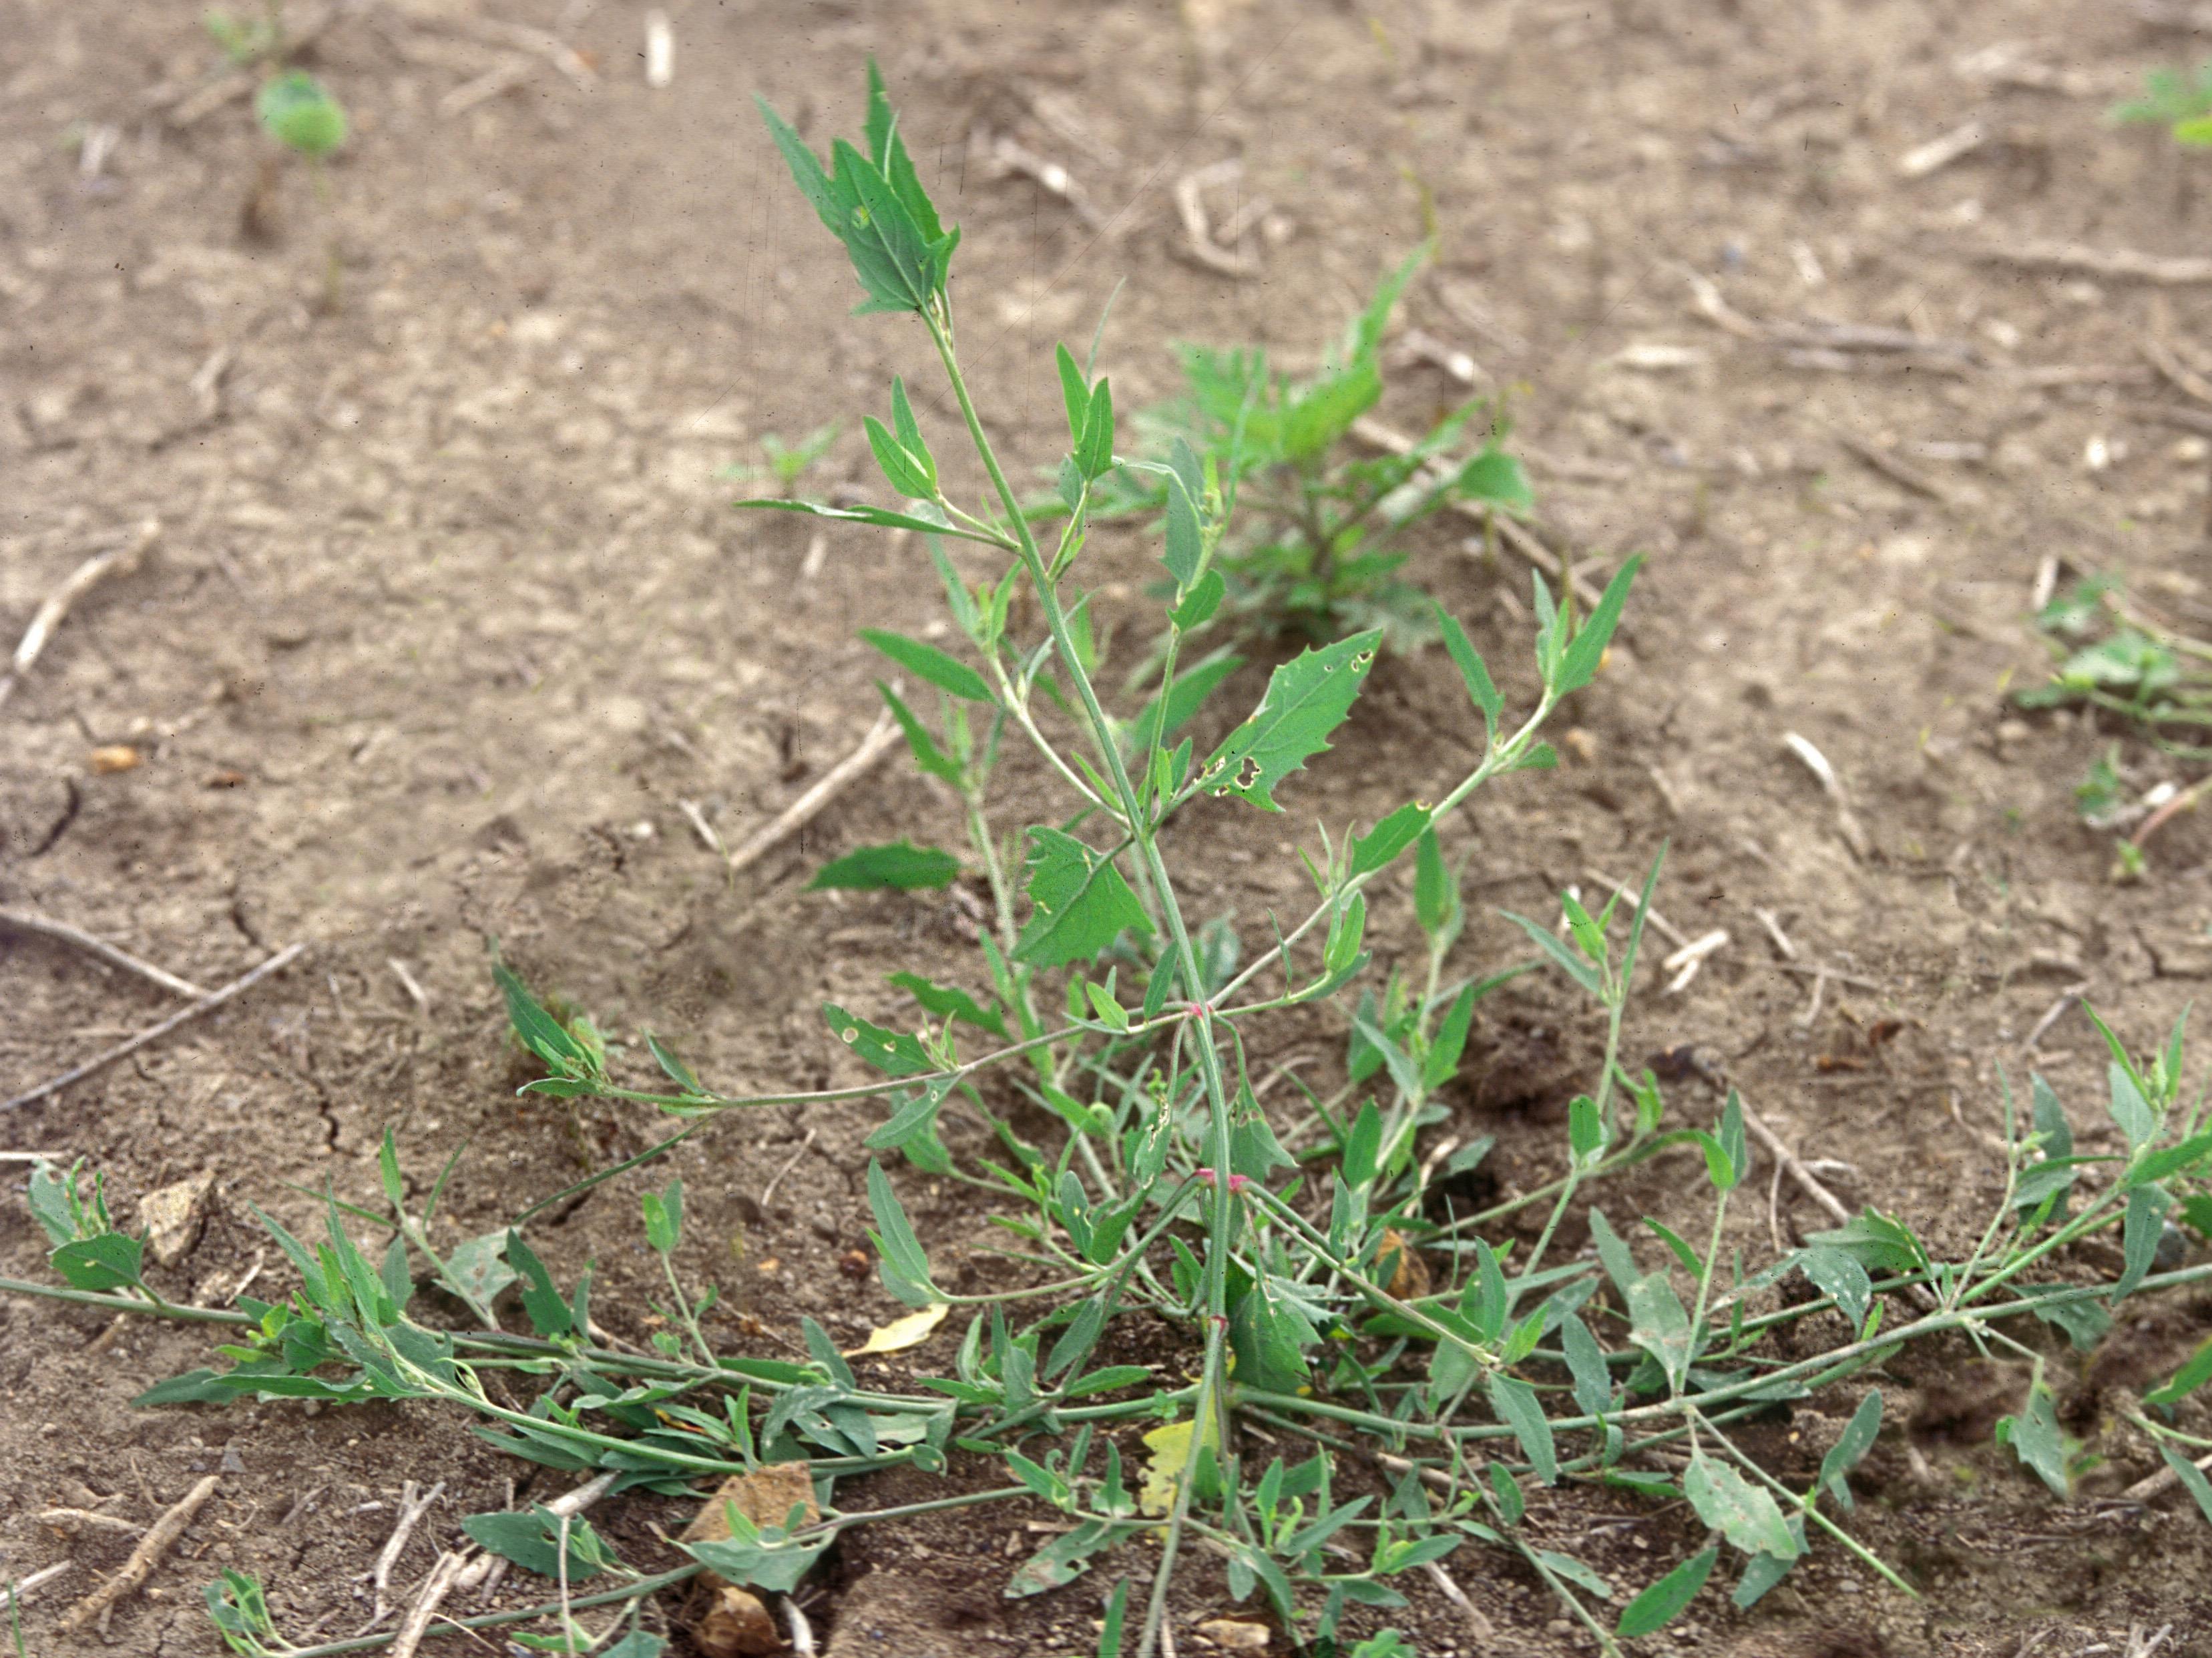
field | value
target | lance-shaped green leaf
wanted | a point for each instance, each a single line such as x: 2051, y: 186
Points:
x: 1080, y: 902
x: 1663, y: 1602
x: 1518, y: 1408
x: 1075, y: 393
x: 920, y: 743
x: 1185, y: 540
x: 1378, y: 847
x: 1472, y: 669
x: 891, y: 1052
x: 1850, y: 1447
x: 904, y: 470
x: 1094, y: 450
x: 927, y: 662
x: 1746, y: 1514
x: 905, y: 1267
x: 883, y: 518
x: 902, y: 866
x: 950, y: 1002
x: 1306, y: 699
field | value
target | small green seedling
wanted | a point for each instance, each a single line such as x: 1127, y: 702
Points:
x: 787, y: 463
x: 299, y: 113
x: 2177, y: 100
x: 247, y: 41
x: 1318, y: 552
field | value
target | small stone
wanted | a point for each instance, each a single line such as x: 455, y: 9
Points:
x: 736, y: 1625
x: 1232, y: 1636
x: 173, y: 1217
x: 114, y: 757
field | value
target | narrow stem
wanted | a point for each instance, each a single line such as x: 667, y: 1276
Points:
x: 1133, y: 816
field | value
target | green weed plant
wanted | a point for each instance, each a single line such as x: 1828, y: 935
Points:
x: 1339, y: 1419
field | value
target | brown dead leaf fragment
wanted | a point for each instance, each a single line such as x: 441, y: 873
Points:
x: 1409, y: 1274
x: 736, y: 1625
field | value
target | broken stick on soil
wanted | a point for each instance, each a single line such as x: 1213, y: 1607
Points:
x: 834, y: 781
x: 140, y: 1566
x: 23, y: 920
x: 207, y: 1004
x: 117, y: 561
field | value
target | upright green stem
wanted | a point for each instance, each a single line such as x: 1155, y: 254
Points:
x: 1109, y: 753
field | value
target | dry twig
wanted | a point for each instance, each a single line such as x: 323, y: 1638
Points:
x: 413, y: 1505
x: 207, y: 1004
x: 435, y: 1588
x: 1891, y: 467
x: 23, y: 920
x: 1847, y: 820
x: 10, y: 1597
x: 834, y: 781
x: 1198, y: 226
x: 117, y: 561
x: 140, y: 1566
x: 2115, y: 264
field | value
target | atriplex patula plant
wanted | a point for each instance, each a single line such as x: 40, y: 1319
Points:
x: 299, y: 113
x: 1298, y: 1255
x: 2112, y: 657
x: 1319, y: 540
x: 2177, y: 100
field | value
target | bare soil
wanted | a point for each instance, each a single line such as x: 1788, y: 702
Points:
x: 449, y: 612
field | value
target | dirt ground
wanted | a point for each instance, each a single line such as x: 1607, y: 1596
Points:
x: 449, y: 612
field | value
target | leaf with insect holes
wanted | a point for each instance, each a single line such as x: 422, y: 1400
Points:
x: 905, y: 1267
x: 1664, y: 1601
x: 927, y: 662
x: 901, y: 866
x: 1306, y: 699
x: 891, y: 1052
x: 1746, y: 1514
x: 1080, y: 903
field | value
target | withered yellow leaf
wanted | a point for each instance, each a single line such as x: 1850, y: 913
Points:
x: 1171, y: 1448
x: 901, y: 1333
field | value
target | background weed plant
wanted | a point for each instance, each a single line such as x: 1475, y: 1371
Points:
x: 2112, y: 657
x: 1436, y: 1382
x: 1316, y: 549
x: 2175, y: 98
